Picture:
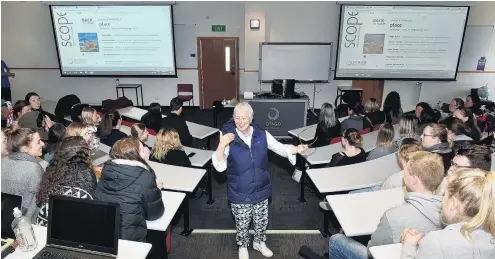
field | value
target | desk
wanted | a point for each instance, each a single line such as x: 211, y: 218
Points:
x: 198, y: 131
x: 99, y: 157
x: 350, y: 208
x: 323, y: 155
x: 127, y: 249
x: 386, y: 252
x: 202, y: 159
x: 131, y: 86
x: 157, y: 228
x: 181, y: 179
x: 308, y: 133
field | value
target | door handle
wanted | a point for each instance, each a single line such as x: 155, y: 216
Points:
x: 232, y: 70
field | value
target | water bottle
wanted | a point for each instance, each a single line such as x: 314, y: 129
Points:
x: 24, y: 233
x: 117, y: 82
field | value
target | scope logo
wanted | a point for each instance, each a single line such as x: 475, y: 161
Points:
x: 352, y: 26
x: 64, y: 28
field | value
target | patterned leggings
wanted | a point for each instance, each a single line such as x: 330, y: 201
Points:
x: 243, y: 214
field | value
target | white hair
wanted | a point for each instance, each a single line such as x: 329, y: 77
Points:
x: 245, y: 107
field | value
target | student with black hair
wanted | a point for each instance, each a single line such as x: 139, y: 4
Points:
x: 55, y: 135
x: 175, y: 121
x: 152, y: 119
x: 392, y: 106
x: 356, y: 119
x: 109, y: 128
x: 34, y: 100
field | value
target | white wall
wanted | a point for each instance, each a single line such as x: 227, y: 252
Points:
x: 26, y: 27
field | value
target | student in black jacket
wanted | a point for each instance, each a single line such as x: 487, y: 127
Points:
x: 328, y: 127
x: 169, y: 150
x: 128, y: 180
x: 175, y: 121
x: 109, y: 128
x: 153, y: 117
x: 372, y: 112
x: 353, y: 153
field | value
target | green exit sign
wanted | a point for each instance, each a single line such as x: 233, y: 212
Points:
x: 218, y: 28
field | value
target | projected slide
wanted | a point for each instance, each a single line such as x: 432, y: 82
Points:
x: 400, y: 42
x: 114, y: 40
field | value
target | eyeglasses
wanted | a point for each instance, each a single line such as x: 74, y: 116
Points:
x: 452, y: 163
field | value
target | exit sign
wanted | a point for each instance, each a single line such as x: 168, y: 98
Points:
x: 218, y: 28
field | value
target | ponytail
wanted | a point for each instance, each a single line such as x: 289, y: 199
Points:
x: 109, y: 120
x: 485, y: 217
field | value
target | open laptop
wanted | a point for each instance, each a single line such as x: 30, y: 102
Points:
x: 9, y: 202
x: 81, y: 229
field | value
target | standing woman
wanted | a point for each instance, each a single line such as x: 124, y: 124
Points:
x: 392, y: 106
x: 328, y: 127
x: 468, y: 211
x: 243, y: 152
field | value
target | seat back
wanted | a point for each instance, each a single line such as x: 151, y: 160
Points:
x: 184, y: 88
x: 335, y: 140
x: 394, y: 122
x: 377, y: 127
x: 364, y: 131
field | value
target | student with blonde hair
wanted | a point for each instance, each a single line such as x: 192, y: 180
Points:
x: 385, y: 144
x: 408, y: 125
x: 372, y: 112
x: 91, y: 118
x: 79, y: 129
x: 468, y: 210
x: 168, y: 149
x: 139, y: 131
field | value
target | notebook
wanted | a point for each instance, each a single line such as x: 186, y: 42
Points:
x: 81, y: 228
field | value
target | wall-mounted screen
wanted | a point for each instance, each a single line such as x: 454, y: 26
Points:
x: 111, y: 40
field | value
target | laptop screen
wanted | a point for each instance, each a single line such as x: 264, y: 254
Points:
x: 9, y: 202
x: 84, y: 224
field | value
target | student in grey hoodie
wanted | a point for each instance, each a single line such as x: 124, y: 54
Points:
x: 469, y: 211
x: 384, y: 142
x: 421, y: 210
x: 21, y: 173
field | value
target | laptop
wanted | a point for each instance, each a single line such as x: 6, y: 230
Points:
x: 81, y: 229
x: 9, y: 202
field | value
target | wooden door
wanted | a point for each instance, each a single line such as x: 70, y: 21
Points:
x: 371, y: 89
x: 218, y: 67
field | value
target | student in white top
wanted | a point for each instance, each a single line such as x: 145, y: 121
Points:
x: 243, y: 152
x: 469, y: 210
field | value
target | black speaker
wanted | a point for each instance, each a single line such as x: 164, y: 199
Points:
x: 290, y: 87
x: 277, y: 87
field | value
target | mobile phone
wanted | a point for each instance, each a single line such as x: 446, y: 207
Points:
x: 191, y: 154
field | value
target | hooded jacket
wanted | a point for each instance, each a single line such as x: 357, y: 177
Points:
x: 420, y: 212
x: 130, y: 184
x: 445, y: 152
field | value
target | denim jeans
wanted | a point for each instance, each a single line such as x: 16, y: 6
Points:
x: 342, y: 247
x: 368, y: 189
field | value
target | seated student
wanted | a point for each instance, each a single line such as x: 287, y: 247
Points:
x: 469, y: 120
x: 152, y: 119
x: 33, y: 99
x: 91, y: 119
x: 21, y: 173
x: 408, y: 126
x: 128, y: 180
x: 459, y: 134
x: 328, y: 126
x: 455, y: 104
x: 422, y: 175
x: 385, y: 144
x: 109, y: 128
x: 177, y: 122
x: 392, y: 106
x: 5, y: 149
x: 18, y: 110
x: 356, y: 119
x: 79, y: 129
x: 396, y: 180
x: 139, y: 131
x: 425, y: 115
x: 469, y: 102
x: 55, y: 135
x: 353, y: 153
x: 435, y: 139
x: 469, y: 211
x: 373, y: 113
x: 168, y: 149
x: 70, y: 173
